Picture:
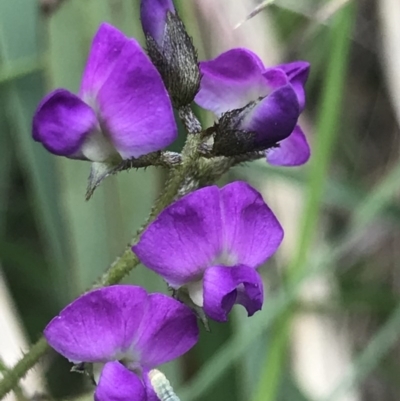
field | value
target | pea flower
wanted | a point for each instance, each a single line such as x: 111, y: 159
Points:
x: 122, y: 110
x: 210, y: 244
x: 274, y: 97
x: 128, y: 330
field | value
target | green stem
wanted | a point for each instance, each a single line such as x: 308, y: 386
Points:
x: 28, y: 361
x: 19, y: 394
x: 189, y: 166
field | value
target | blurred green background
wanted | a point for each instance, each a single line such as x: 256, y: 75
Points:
x: 330, y: 325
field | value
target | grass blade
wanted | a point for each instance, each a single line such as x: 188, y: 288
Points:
x: 327, y: 129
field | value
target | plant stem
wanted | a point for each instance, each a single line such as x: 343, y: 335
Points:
x: 189, y: 120
x: 12, y: 376
x: 189, y: 166
x: 19, y: 394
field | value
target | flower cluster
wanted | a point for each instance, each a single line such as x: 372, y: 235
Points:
x: 209, y: 243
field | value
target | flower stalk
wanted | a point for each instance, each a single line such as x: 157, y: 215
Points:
x: 125, y: 263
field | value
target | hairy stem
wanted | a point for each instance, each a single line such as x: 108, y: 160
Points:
x: 189, y: 120
x: 189, y: 164
x: 121, y: 267
x: 12, y: 376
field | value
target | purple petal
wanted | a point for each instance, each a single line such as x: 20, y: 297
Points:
x: 225, y: 286
x: 275, y: 77
x: 251, y: 231
x: 297, y: 73
x: 185, y: 237
x: 62, y: 122
x: 134, y: 105
x: 251, y: 294
x: 231, y: 81
x: 168, y: 330
x: 98, y: 326
x: 117, y: 383
x: 274, y: 118
x: 292, y: 151
x: 154, y: 17
x: 106, y: 48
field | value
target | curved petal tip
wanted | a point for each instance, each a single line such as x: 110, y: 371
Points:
x: 225, y: 286
x: 292, y: 151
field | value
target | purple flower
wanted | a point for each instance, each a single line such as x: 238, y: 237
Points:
x: 238, y: 77
x: 129, y: 330
x: 122, y: 110
x: 154, y: 18
x: 211, y: 242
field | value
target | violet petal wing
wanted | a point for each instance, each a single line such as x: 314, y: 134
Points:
x: 62, y: 122
x: 98, y: 326
x: 117, y: 383
x: 297, y: 73
x: 168, y: 330
x: 274, y: 118
x: 231, y: 81
x: 251, y: 231
x: 184, y: 238
x: 225, y: 286
x: 105, y: 50
x: 153, y: 14
x: 134, y: 105
x: 292, y: 151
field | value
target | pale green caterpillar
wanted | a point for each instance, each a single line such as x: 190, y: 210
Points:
x: 162, y: 386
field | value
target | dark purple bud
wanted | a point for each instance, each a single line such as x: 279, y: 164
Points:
x: 171, y: 50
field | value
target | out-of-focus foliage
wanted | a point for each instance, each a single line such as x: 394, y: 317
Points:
x: 53, y: 244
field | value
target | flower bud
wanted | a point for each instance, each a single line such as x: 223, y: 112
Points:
x: 171, y: 50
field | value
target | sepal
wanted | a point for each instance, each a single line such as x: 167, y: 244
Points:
x: 176, y: 61
x: 229, y: 138
x: 98, y: 172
